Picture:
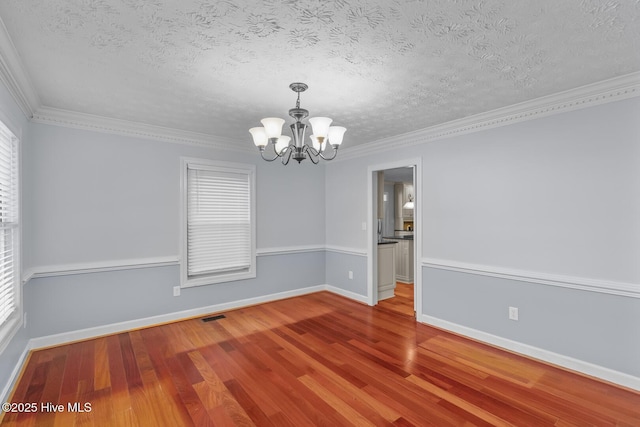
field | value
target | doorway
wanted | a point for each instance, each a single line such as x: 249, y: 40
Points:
x: 394, y: 207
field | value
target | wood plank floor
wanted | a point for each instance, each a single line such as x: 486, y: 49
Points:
x: 402, y: 301
x: 318, y: 359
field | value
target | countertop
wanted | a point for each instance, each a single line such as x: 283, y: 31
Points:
x: 398, y: 238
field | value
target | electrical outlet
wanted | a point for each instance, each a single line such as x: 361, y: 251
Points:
x: 176, y: 291
x: 513, y: 313
x: 350, y: 274
x: 364, y: 226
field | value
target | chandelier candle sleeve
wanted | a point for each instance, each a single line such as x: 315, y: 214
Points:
x: 285, y: 147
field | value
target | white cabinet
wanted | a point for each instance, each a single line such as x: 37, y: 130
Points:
x: 404, y: 261
x: 386, y: 270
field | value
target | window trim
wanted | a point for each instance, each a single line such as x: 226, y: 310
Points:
x: 12, y: 324
x: 250, y: 171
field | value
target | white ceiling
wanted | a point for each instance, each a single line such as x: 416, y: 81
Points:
x: 381, y: 68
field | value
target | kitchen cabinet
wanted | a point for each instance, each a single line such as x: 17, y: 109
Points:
x: 386, y: 270
x: 404, y: 261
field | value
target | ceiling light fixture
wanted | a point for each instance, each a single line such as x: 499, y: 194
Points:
x: 283, y: 148
x: 409, y: 204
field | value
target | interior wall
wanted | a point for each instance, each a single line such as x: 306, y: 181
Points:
x: 553, y: 197
x: 560, y: 189
x: 99, y: 199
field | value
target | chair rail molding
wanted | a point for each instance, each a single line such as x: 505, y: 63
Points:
x: 603, y: 286
x: 97, y: 267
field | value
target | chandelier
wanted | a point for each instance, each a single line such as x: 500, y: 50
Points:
x: 283, y: 148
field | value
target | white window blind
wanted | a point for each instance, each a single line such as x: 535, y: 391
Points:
x: 8, y: 224
x: 219, y: 223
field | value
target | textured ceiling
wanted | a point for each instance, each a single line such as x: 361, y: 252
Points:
x: 380, y: 68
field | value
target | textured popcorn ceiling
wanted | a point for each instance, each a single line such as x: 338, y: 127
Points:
x: 380, y: 68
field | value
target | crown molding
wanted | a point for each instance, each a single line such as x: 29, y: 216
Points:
x: 615, y: 89
x: 84, y: 121
x: 14, y: 75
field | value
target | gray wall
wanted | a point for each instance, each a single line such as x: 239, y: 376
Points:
x: 338, y: 266
x: 94, y: 197
x: 99, y: 198
x: 553, y: 197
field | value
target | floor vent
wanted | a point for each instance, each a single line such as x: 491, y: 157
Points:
x: 218, y: 317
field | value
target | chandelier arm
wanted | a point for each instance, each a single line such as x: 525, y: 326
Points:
x: 286, y: 156
x: 283, y: 151
x: 311, y: 150
x: 313, y: 154
x: 268, y: 159
x: 314, y: 159
x: 335, y: 153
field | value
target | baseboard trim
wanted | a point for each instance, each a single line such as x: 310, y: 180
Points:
x: 14, y: 375
x: 347, y: 294
x: 602, y: 286
x: 566, y: 362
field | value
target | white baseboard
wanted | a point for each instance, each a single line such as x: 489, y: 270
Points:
x: 114, y: 328
x: 14, y: 375
x: 348, y: 294
x: 567, y: 362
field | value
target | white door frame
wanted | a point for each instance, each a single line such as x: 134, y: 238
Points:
x: 372, y: 226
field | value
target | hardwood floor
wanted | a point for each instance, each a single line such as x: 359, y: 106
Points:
x: 402, y: 302
x: 318, y: 359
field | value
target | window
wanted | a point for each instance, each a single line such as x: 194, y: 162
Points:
x: 218, y: 222
x: 9, y: 236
